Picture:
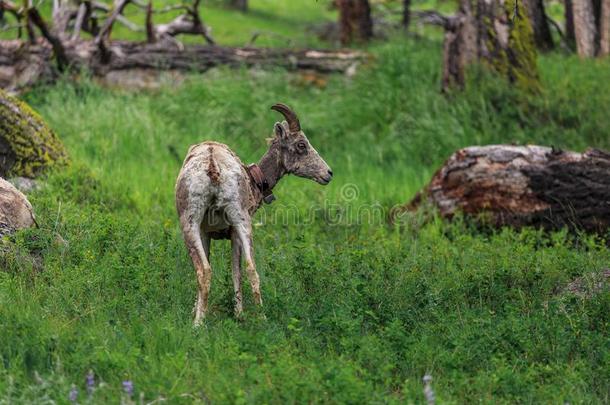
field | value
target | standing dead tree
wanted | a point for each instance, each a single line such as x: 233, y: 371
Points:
x: 355, y: 21
x: 591, y: 24
x: 540, y: 24
x: 492, y: 32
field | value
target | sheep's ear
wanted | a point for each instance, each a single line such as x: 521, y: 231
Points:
x: 280, y: 131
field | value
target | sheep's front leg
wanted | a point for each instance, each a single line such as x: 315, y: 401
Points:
x: 236, y: 267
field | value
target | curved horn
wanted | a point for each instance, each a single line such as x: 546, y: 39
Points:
x: 291, y: 117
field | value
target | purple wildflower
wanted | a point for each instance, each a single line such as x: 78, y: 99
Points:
x: 128, y: 387
x: 73, y: 393
x: 90, y: 381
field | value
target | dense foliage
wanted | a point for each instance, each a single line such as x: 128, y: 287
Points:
x: 356, y: 310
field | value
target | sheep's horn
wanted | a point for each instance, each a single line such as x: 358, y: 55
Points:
x: 291, y: 117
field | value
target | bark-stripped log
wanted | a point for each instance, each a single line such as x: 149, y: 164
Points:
x: 524, y: 186
x: 22, y: 64
x: 15, y: 210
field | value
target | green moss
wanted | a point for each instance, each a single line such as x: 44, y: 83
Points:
x: 34, y: 147
x: 522, y: 51
x: 517, y: 61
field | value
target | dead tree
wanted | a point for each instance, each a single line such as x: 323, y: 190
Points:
x: 604, y: 41
x: 540, y: 24
x: 523, y: 186
x: 569, y: 23
x: 241, y: 5
x: 585, y: 29
x: 406, y: 13
x: 491, y: 32
x: 22, y: 64
x: 355, y: 21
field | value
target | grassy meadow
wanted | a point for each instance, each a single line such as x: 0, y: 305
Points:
x: 357, y: 310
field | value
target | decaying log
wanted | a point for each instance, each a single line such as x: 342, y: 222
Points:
x: 524, y: 186
x: 28, y: 146
x: 23, y: 64
x: 15, y: 210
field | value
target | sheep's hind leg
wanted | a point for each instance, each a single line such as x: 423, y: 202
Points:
x: 195, y: 244
x: 245, y: 236
x: 236, y: 267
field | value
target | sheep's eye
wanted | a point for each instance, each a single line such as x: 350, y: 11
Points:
x: 301, y: 145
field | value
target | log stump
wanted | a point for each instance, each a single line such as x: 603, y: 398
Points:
x: 524, y: 186
x: 15, y: 210
x: 27, y: 145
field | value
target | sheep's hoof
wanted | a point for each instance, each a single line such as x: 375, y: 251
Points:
x: 198, y: 322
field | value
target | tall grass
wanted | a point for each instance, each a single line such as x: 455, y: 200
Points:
x: 357, y: 310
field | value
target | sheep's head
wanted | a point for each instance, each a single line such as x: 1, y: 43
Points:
x: 297, y: 154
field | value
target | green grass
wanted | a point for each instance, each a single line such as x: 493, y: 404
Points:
x: 357, y: 310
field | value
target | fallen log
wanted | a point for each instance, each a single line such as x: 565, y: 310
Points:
x: 15, y: 210
x: 524, y: 186
x: 23, y: 64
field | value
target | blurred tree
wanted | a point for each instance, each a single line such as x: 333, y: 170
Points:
x: 540, y: 25
x: 241, y: 5
x: 604, y: 46
x: 406, y: 13
x: 495, y: 33
x: 585, y: 29
x: 569, y: 23
x: 355, y: 22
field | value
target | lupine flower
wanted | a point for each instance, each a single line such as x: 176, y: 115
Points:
x: 90, y: 382
x: 428, y: 392
x: 73, y: 393
x: 128, y: 387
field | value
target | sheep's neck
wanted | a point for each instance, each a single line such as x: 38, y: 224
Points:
x: 271, y: 165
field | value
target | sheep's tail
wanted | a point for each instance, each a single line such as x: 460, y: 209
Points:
x: 213, y: 172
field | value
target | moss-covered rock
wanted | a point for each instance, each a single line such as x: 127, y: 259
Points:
x: 28, y: 147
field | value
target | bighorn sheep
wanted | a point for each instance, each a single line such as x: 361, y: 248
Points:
x: 216, y: 196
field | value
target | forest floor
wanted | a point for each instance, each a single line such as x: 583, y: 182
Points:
x: 357, y: 310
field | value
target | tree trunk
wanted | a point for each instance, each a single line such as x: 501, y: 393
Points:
x: 27, y: 145
x: 459, y: 47
x: 569, y: 23
x: 15, y: 210
x: 540, y: 25
x: 355, y: 21
x: 20, y: 69
x: 524, y: 186
x: 492, y: 35
x: 241, y: 5
x: 604, y: 42
x: 585, y: 28
x: 406, y: 13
